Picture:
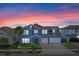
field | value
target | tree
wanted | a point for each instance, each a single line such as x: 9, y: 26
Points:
x: 18, y: 31
x: 3, y: 41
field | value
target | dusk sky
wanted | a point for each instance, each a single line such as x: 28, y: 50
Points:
x: 43, y: 14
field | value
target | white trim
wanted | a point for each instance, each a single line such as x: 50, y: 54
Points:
x: 34, y: 36
x: 26, y: 32
x: 44, y: 31
x: 35, y: 31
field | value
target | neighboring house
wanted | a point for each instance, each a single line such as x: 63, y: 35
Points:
x: 3, y: 34
x: 8, y: 32
x: 40, y: 34
x: 71, y: 33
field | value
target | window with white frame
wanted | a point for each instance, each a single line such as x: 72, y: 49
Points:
x: 66, y: 31
x: 35, y: 31
x: 26, y: 32
x: 53, y: 30
x: 25, y: 40
x: 30, y: 26
x: 44, y: 31
x: 71, y: 31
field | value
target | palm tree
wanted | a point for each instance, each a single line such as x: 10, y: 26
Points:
x: 18, y: 31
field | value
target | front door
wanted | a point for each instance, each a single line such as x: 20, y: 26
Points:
x: 35, y: 39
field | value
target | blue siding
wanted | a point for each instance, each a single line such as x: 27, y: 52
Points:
x: 31, y: 32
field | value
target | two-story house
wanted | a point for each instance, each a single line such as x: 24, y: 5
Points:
x: 71, y: 33
x: 40, y: 34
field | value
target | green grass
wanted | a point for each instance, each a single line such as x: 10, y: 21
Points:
x: 29, y: 46
x: 70, y: 45
x: 26, y: 45
x: 19, y: 52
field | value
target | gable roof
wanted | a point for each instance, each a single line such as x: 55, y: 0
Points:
x: 37, y: 25
x: 50, y: 27
x: 40, y: 27
x: 71, y: 27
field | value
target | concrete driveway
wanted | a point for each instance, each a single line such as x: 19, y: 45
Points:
x: 56, y: 50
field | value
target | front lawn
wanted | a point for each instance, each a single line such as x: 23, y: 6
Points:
x: 29, y: 46
x: 70, y: 45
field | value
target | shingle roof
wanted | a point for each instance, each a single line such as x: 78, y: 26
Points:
x: 71, y: 27
x: 48, y: 27
x: 37, y: 25
x: 42, y: 27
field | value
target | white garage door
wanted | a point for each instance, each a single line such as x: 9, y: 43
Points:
x: 54, y: 40
x: 44, y: 40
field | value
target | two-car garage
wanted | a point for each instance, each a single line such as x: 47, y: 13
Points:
x: 51, y: 40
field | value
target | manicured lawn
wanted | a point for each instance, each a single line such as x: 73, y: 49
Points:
x: 26, y: 45
x: 29, y: 46
x: 70, y: 45
x: 7, y: 52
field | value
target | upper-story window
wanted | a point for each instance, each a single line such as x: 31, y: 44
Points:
x: 53, y: 30
x: 30, y: 26
x: 44, y: 31
x: 76, y: 31
x: 26, y: 32
x: 35, y: 31
x: 66, y: 31
x: 71, y: 31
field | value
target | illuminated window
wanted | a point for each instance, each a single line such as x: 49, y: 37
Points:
x: 26, y: 32
x: 36, y: 31
x: 53, y: 31
x: 30, y: 26
x: 25, y: 40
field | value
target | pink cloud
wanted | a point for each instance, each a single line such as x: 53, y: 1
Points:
x: 43, y: 18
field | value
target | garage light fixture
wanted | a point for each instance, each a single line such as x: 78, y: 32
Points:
x: 78, y: 36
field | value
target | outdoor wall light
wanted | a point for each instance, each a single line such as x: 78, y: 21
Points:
x: 78, y: 36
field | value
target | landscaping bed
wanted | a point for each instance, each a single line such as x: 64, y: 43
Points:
x: 25, y: 49
x: 20, y: 52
